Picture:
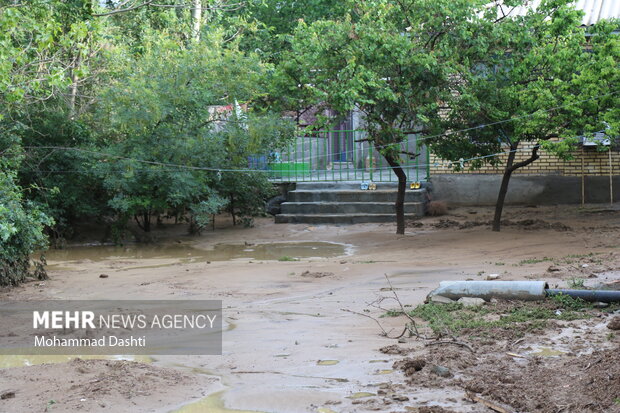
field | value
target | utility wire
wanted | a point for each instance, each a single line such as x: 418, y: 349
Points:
x: 213, y: 169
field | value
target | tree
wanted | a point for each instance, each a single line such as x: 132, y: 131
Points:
x: 530, y: 78
x: 267, y: 25
x: 389, y: 60
x: 30, y: 71
x: 168, y: 131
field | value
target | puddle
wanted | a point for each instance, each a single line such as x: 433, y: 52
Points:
x: 210, y: 404
x: 7, y: 361
x: 187, y: 253
x: 360, y: 395
x: 547, y: 352
x: 327, y: 362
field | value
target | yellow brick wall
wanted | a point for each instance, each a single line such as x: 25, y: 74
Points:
x: 594, y: 163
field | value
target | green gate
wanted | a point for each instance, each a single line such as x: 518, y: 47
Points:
x: 344, y: 155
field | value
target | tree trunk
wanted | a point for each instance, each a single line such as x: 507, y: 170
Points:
x: 400, y: 196
x: 146, y: 220
x: 74, y: 88
x: 196, y: 19
x: 503, y: 189
x: 232, y: 209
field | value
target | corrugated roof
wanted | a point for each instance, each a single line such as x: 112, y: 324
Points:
x: 594, y: 10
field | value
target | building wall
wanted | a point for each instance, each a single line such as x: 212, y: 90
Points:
x: 595, y: 163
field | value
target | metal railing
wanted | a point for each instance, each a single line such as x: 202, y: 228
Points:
x: 342, y: 155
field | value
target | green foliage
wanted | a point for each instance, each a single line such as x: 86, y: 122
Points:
x: 539, y: 71
x: 201, y: 212
x: 177, y: 138
x: 576, y: 283
x: 269, y: 24
x: 67, y: 189
x: 569, y: 303
x: 21, y: 233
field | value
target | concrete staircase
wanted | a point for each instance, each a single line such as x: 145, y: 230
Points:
x: 346, y: 203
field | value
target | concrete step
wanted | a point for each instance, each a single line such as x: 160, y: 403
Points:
x: 315, y: 208
x: 337, y: 218
x: 334, y: 195
x: 336, y: 165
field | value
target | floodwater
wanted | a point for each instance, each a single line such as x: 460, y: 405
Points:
x: 282, y: 251
x: 210, y: 404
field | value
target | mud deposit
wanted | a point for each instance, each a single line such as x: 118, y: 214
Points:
x: 306, y: 327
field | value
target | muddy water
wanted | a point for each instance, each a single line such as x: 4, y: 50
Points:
x: 210, y: 404
x: 284, y: 251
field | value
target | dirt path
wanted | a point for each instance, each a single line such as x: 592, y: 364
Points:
x: 289, y: 346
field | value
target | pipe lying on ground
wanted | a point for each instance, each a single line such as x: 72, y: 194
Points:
x: 603, y: 296
x: 516, y: 290
x: 507, y: 290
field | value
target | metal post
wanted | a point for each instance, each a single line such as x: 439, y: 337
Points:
x: 583, y: 179
x: 611, y: 179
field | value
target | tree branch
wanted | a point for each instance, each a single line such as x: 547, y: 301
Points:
x: 146, y: 3
x: 528, y: 161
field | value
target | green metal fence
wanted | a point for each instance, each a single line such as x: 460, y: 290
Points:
x: 343, y: 155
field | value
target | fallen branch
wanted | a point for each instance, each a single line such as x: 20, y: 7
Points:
x: 402, y: 309
x: 385, y: 333
x: 487, y: 403
x: 517, y: 355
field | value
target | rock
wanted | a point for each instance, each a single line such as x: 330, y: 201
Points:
x: 493, y: 277
x: 440, y: 299
x: 441, y: 371
x: 553, y: 268
x: 400, y: 398
x: 8, y: 394
x: 614, y: 324
x: 585, y: 265
x: 471, y: 301
x: 103, y: 275
x: 600, y: 304
x: 274, y: 204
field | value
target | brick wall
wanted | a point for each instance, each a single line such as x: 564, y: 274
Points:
x: 594, y: 163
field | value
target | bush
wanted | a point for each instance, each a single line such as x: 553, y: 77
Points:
x: 21, y: 234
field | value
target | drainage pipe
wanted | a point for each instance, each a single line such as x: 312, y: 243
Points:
x: 508, y: 290
x: 589, y: 295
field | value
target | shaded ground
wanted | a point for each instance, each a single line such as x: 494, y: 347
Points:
x: 290, y: 347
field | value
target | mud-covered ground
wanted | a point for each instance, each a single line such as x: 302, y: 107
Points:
x: 304, y: 336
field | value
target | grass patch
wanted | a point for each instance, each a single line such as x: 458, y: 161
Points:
x: 534, y: 260
x: 576, y: 283
x: 287, y: 258
x: 454, y: 319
